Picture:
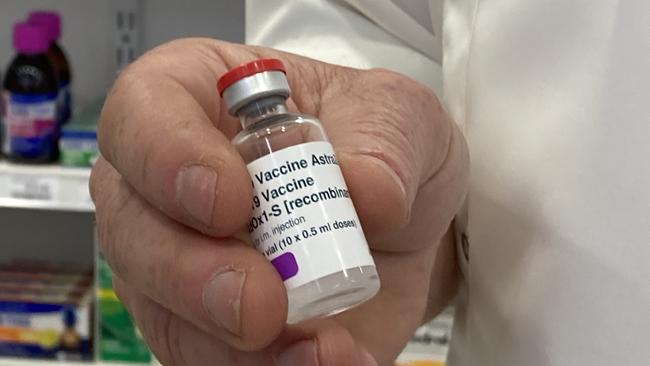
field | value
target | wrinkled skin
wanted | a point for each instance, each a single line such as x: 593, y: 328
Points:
x: 173, y: 196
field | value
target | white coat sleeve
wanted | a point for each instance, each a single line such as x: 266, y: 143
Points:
x: 334, y: 32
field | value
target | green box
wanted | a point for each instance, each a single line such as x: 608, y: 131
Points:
x: 119, y: 339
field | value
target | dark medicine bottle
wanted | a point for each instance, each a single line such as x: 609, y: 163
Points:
x: 30, y: 99
x: 51, y: 21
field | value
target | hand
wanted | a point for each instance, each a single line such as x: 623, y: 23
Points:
x: 173, y: 197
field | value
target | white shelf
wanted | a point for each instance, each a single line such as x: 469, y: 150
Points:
x: 47, y: 187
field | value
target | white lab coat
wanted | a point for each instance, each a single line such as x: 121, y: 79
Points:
x: 553, y: 97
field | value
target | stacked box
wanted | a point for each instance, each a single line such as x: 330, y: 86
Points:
x: 119, y: 339
x: 78, y: 142
x: 45, y: 312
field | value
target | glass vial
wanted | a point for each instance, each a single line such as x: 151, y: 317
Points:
x: 303, y: 219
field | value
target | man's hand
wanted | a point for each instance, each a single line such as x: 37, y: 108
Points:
x: 173, y: 198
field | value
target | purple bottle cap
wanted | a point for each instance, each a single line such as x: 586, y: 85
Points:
x: 50, y: 19
x: 30, y: 39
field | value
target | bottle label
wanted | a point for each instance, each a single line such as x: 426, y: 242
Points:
x: 30, y: 124
x: 303, y: 219
x: 64, y: 103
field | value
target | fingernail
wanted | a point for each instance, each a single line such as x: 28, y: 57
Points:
x: 222, y: 299
x: 367, y: 359
x: 195, y: 191
x: 303, y: 353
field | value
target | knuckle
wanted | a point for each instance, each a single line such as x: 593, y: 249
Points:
x: 111, y: 125
x: 415, y: 120
x: 149, y: 150
x: 410, y: 95
x: 404, y: 125
x: 115, y: 228
x: 401, y: 82
x: 161, y: 330
x: 170, y: 338
x: 390, y: 141
x: 95, y: 182
x: 336, y: 346
x: 122, y: 293
x: 128, y: 101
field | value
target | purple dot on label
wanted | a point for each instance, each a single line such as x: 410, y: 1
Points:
x: 286, y: 265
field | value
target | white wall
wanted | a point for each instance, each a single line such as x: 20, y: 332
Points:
x: 169, y: 19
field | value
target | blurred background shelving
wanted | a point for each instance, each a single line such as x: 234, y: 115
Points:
x: 46, y: 214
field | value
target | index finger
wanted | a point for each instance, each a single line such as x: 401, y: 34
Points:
x: 157, y: 129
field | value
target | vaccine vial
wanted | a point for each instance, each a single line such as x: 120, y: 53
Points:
x: 303, y: 219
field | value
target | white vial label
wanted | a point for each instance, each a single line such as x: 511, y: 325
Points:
x: 303, y: 219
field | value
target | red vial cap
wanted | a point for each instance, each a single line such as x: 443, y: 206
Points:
x: 248, y: 69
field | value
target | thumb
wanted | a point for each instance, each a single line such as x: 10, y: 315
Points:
x: 391, y: 136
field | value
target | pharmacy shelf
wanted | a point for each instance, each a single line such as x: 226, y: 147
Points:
x: 47, y: 187
x: 419, y: 358
x: 430, y: 343
x: 32, y: 362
